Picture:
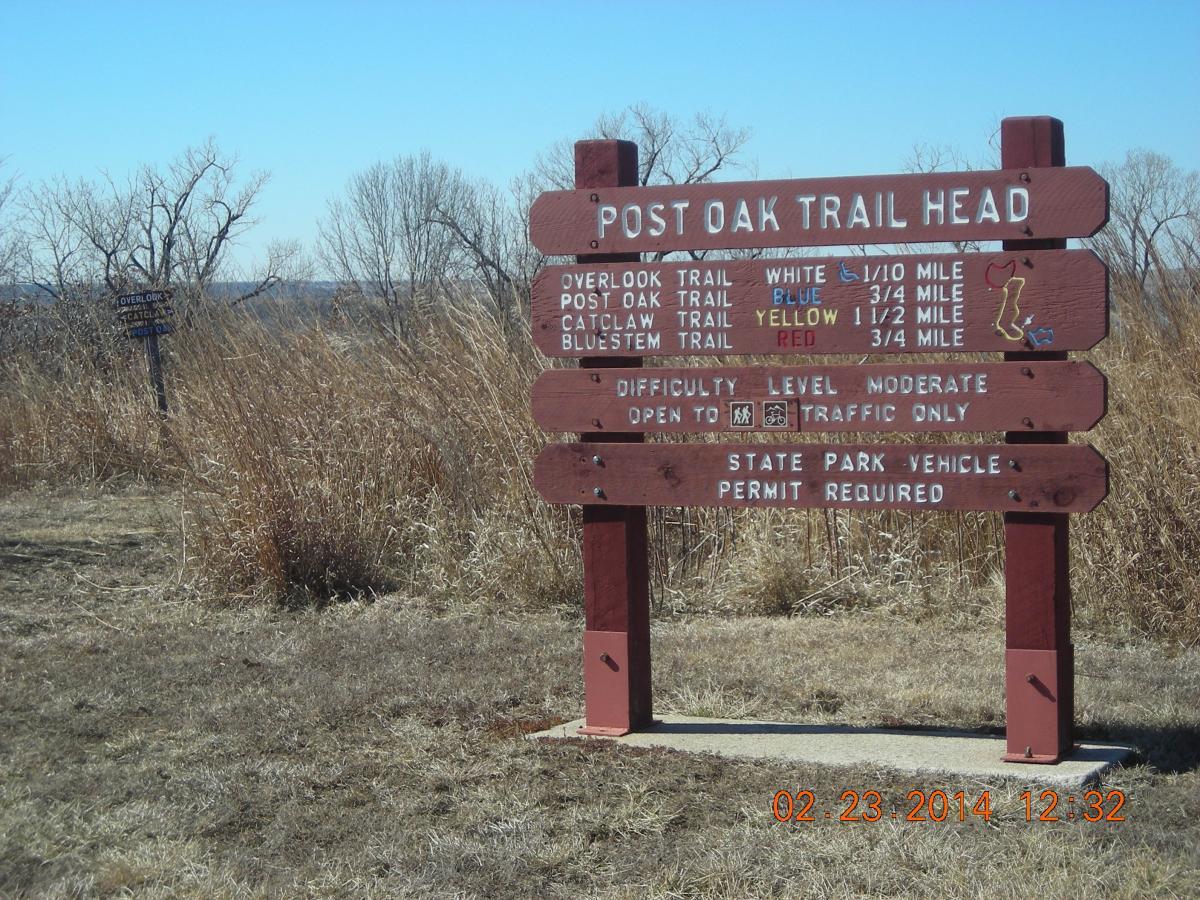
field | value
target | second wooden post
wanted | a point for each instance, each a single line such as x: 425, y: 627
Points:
x: 616, y: 642
x: 1039, y: 667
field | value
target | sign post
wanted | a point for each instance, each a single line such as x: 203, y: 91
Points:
x: 143, y: 313
x: 1032, y: 301
x: 1038, y: 658
x: 616, y: 639
x: 154, y: 361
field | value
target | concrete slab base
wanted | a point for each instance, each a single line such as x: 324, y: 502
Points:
x: 938, y: 753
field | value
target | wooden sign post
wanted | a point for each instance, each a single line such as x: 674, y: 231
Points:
x: 1032, y: 301
x: 616, y: 573
x: 1039, y: 660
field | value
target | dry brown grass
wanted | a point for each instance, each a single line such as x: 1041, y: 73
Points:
x: 156, y: 745
x: 321, y: 462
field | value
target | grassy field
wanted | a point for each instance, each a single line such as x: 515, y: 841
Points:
x: 319, y: 461
x: 156, y: 743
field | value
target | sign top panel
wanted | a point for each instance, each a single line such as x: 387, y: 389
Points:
x: 1008, y: 204
x: 142, y: 298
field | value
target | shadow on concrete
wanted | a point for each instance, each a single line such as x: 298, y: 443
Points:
x: 1174, y: 750
x: 783, y: 729
x: 1171, y: 750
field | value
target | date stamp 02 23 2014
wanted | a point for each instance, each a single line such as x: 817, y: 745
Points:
x: 942, y: 806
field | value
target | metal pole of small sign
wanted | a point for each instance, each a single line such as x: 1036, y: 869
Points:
x: 156, y: 373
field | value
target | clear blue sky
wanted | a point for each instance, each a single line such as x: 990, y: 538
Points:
x: 314, y: 91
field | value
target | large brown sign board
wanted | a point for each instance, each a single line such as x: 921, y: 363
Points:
x: 1034, y: 301
x: 1027, y: 477
x: 1010, y: 204
x: 1033, y: 396
x: 1007, y: 301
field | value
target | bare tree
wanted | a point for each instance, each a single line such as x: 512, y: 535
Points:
x: 12, y: 308
x: 380, y: 238
x: 1185, y: 245
x: 10, y: 238
x: 491, y: 230
x: 1153, y: 210
x: 671, y: 150
x: 925, y: 158
x: 160, y: 228
x: 414, y: 227
x: 55, y: 248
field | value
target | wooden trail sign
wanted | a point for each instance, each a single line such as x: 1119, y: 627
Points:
x: 142, y: 314
x: 1010, y: 204
x: 1033, y: 301
x: 1005, y: 301
x: 1031, y: 477
x: 1034, y: 396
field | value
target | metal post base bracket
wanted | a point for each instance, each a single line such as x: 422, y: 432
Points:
x: 1036, y: 729
x: 606, y: 684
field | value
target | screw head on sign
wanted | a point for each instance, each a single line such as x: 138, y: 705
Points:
x: 599, y: 492
x: 1030, y: 678
x: 593, y: 244
x: 1027, y: 422
x: 597, y: 460
x: 1013, y: 495
x: 1025, y: 176
x: 596, y: 378
x: 604, y: 657
x: 1013, y: 464
x: 596, y: 423
x: 1026, y: 371
x: 595, y: 198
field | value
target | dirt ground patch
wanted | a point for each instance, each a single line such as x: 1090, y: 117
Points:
x: 158, y: 744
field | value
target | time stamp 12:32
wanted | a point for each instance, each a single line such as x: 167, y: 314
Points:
x: 943, y: 806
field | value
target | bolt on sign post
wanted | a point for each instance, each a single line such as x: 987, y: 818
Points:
x: 143, y: 313
x: 1031, y: 301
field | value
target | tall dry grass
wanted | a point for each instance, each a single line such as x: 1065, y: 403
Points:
x: 320, y: 460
